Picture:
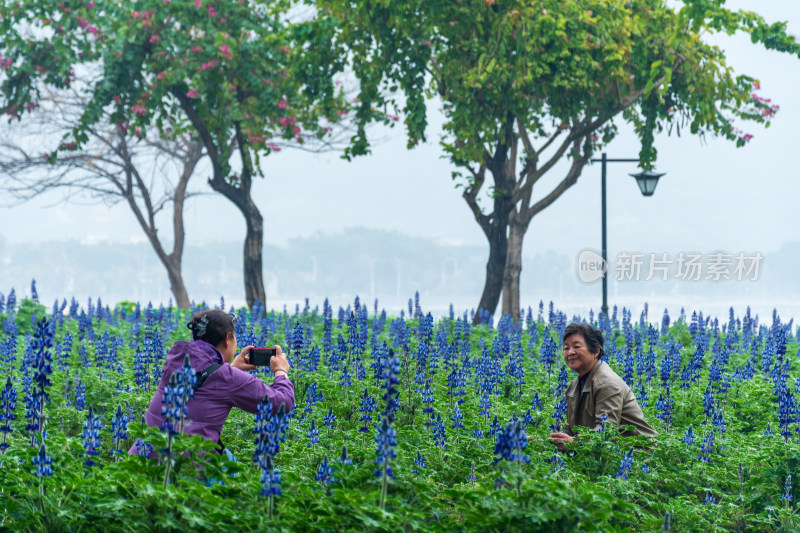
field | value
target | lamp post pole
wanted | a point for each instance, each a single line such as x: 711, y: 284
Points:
x: 603, y: 160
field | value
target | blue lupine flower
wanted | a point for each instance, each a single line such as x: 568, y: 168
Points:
x: 439, y: 436
x: 119, y: 427
x: 509, y: 443
x: 472, y: 478
x: 368, y: 405
x: 390, y: 370
x: 558, y: 462
x: 142, y: 447
x: 486, y: 405
x: 270, y: 431
x: 558, y: 414
x: 313, y: 435
x: 270, y: 479
x: 709, y: 499
x: 787, y: 489
x: 344, y: 459
x: 645, y: 469
x: 325, y: 472
x: 707, y: 448
x: 8, y: 404
x: 419, y: 463
x: 42, y: 462
x: 536, y: 402
x: 626, y: 465
x: 330, y: 418
x: 457, y: 418
x: 603, y: 419
x: 768, y: 431
x: 688, y: 438
x: 91, y: 436
x: 386, y: 439
x: 80, y: 394
x: 494, y: 428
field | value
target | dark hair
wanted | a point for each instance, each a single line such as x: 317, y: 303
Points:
x: 211, y: 326
x: 590, y: 334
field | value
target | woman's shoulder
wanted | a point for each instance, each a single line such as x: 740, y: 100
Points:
x: 604, y: 375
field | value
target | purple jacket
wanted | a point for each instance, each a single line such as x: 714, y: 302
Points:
x: 225, y: 388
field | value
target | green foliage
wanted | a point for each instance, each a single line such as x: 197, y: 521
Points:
x: 552, y: 66
x: 238, y: 75
x: 586, y: 495
x: 27, y: 313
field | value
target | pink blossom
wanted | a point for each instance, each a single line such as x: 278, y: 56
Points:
x: 154, y: 38
x: 282, y: 104
x: 90, y: 5
x: 223, y: 48
x: 137, y: 15
x: 284, y: 121
x: 198, y: 3
x: 161, y: 75
x: 296, y: 131
x: 82, y: 22
x: 138, y: 132
x: 92, y: 30
x: 274, y: 147
x: 45, y: 155
x: 747, y: 137
x: 30, y: 105
x: 138, y: 110
x: 427, y: 43
x: 341, y: 112
x: 196, y: 48
x: 6, y: 63
x: 207, y: 65
x: 192, y: 94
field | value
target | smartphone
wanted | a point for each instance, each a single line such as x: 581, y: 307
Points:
x: 261, y: 356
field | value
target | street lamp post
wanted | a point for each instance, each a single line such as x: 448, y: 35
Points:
x: 647, y: 182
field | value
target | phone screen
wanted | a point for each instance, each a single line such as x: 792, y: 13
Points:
x: 261, y: 356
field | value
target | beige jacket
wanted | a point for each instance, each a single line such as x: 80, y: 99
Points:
x: 604, y: 392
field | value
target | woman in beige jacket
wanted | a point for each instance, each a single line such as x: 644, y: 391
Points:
x: 597, y: 390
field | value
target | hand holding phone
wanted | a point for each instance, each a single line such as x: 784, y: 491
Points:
x: 260, y: 356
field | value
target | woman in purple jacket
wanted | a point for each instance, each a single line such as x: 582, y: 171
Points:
x: 214, y: 343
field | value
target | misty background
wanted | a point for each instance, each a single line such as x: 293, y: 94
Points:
x: 392, y: 223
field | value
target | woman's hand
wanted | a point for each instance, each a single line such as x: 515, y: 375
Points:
x: 241, y: 361
x: 561, y: 439
x: 279, y: 361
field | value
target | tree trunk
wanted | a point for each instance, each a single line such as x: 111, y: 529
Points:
x: 513, y: 267
x: 254, y: 238
x: 176, y: 284
x: 253, y: 248
x: 498, y: 245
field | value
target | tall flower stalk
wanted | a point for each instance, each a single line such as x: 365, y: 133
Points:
x: 270, y: 431
x: 8, y: 403
x: 177, y: 393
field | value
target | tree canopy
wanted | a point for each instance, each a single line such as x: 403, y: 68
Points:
x: 525, y: 84
x: 238, y: 75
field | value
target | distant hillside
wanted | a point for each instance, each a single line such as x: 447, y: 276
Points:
x: 372, y: 264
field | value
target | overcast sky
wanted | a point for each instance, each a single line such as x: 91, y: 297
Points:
x: 713, y: 197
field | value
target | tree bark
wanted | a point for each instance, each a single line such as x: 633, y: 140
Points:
x: 239, y: 195
x: 254, y: 238
x: 172, y: 261
x: 495, y: 267
x: 513, y: 266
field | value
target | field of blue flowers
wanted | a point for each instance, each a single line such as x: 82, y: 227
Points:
x: 402, y: 423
